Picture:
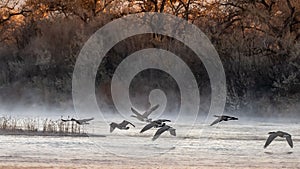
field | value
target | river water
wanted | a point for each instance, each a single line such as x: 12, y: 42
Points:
x: 227, y: 145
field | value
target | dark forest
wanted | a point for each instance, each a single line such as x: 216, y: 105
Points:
x: 258, y: 42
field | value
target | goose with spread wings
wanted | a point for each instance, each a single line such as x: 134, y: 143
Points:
x: 144, y: 116
x: 155, y: 124
x: 162, y: 130
x: 273, y: 135
x: 82, y: 121
x: 223, y: 118
x: 121, y: 126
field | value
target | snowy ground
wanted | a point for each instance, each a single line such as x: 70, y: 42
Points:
x: 227, y: 145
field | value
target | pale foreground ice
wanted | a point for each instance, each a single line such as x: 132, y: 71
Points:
x: 227, y: 145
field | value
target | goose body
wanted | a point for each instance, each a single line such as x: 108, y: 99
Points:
x: 121, y: 126
x: 155, y: 124
x: 144, y: 117
x: 223, y: 118
x: 162, y: 130
x: 273, y: 135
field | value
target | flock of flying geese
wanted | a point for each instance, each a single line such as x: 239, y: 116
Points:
x: 163, y: 127
x: 159, y: 123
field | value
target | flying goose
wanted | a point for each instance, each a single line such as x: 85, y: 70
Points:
x: 121, y: 126
x: 163, y: 129
x: 144, y: 117
x: 282, y: 134
x: 82, y: 121
x: 155, y: 124
x: 222, y: 118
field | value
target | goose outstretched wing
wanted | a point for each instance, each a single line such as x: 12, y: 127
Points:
x: 160, y: 131
x: 135, y: 112
x: 125, y: 123
x: 82, y: 121
x: 172, y: 131
x: 148, y: 112
x: 163, y: 120
x: 216, y: 121
x: 270, y: 139
x: 289, y: 140
x: 147, y: 127
x: 86, y: 120
x: 112, y: 126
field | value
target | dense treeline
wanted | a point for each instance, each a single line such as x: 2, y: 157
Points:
x: 257, y: 40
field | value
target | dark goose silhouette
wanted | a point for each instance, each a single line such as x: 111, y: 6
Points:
x: 82, y: 121
x: 121, y: 126
x: 155, y: 124
x: 65, y: 120
x: 163, y: 129
x: 223, y: 118
x: 273, y: 135
x: 144, y: 116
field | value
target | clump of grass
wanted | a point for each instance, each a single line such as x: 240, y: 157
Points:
x: 8, y: 123
x: 4, y: 123
x: 29, y: 125
x: 59, y: 126
x: 32, y: 125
